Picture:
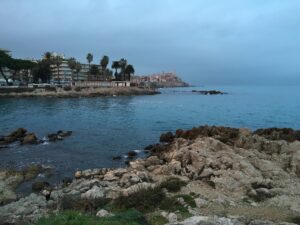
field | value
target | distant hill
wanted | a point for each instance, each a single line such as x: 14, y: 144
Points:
x: 160, y: 80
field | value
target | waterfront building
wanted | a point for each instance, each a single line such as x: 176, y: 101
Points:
x: 67, y: 75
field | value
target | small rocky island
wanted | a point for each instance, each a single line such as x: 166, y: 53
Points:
x: 206, y: 175
x: 210, y: 92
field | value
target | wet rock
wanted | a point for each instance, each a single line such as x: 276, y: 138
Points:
x: 64, y: 133
x: 59, y: 135
x: 166, y: 137
x: 149, y: 147
x: 38, y: 186
x: 66, y: 181
x: 225, y: 134
x: 30, y: 172
x: 30, y: 138
x: 117, y: 157
x: 286, y: 134
x: 210, y: 92
x: 132, y: 154
x: 3, y: 146
x: 19, y: 133
x: 13, y: 136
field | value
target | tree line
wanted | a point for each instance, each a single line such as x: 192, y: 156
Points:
x: 41, y: 70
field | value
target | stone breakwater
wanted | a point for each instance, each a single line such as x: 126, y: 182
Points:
x: 75, y: 92
x: 232, y: 176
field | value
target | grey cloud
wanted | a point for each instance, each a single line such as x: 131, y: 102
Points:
x: 217, y: 41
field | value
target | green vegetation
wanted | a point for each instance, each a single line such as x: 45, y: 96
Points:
x: 173, y: 184
x: 148, y: 200
x: 156, y: 219
x: 130, y: 217
x: 295, y: 220
x: 144, y: 200
x: 89, y: 58
x: 126, y: 69
x: 42, y: 70
x: 15, y: 64
x: 188, y: 199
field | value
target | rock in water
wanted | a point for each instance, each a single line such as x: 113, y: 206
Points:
x: 39, y: 186
x: 166, y: 137
x: 30, y: 139
x: 131, y: 154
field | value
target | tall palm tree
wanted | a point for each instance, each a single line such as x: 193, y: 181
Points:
x: 78, y: 67
x: 103, y: 63
x: 129, y: 70
x: 47, y: 56
x: 89, y: 58
x: 115, y: 65
x: 72, y: 65
x: 57, y: 60
x: 123, y: 64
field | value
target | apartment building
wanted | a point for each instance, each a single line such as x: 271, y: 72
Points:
x: 65, y: 74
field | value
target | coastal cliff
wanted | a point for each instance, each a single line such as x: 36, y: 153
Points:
x: 206, y: 175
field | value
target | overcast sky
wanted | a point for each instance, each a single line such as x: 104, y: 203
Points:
x: 204, y: 41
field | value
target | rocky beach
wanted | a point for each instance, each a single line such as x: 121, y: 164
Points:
x: 74, y: 92
x: 206, y: 175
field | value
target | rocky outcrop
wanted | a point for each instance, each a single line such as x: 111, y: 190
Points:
x: 210, y: 92
x: 223, y: 168
x: 10, y: 179
x: 59, y: 135
x: 286, y: 134
x: 14, y: 136
x: 23, y: 137
x: 29, y: 138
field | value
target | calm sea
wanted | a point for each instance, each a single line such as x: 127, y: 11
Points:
x: 108, y: 126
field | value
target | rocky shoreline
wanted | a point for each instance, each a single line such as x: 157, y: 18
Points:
x: 206, y: 175
x: 75, y: 92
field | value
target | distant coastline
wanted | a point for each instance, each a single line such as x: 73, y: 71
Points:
x: 160, y: 80
x: 74, y: 92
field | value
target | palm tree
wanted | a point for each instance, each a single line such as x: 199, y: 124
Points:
x: 89, y: 58
x: 115, y: 65
x: 123, y: 64
x: 47, y: 56
x: 103, y: 63
x: 78, y: 67
x: 72, y: 65
x: 57, y: 60
x: 129, y: 70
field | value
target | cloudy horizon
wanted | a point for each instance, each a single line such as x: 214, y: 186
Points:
x: 205, y: 42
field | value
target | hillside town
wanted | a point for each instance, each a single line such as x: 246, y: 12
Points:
x: 160, y: 80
